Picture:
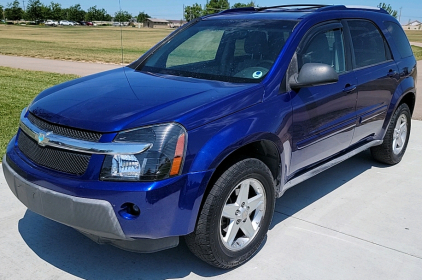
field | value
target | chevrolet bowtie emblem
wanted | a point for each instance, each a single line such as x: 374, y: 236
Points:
x: 43, y: 139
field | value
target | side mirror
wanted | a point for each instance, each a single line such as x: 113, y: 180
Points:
x: 313, y: 74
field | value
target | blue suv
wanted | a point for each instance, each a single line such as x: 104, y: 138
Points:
x: 200, y: 135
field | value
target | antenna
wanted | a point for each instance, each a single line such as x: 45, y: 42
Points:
x: 121, y: 29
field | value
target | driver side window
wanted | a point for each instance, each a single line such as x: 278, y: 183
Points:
x: 324, y: 47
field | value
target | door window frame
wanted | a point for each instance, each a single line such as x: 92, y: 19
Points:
x: 293, y: 67
x: 387, y: 47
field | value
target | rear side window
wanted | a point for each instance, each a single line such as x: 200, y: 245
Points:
x: 368, y: 43
x: 399, y: 38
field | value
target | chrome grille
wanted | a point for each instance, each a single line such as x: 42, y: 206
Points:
x: 64, y: 131
x: 57, y: 159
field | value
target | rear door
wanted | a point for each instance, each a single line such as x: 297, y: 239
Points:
x: 323, y: 116
x: 377, y: 77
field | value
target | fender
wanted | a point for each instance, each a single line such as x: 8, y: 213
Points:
x: 406, y: 87
x: 229, y: 139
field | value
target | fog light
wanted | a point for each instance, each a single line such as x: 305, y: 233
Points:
x: 125, y: 166
x: 130, y: 211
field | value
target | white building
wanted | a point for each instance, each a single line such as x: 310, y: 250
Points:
x: 413, y: 25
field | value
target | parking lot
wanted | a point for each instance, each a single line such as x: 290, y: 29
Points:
x: 358, y: 220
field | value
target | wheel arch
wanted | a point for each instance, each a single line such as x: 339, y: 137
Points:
x: 408, y: 96
x: 410, y: 99
x: 265, y: 150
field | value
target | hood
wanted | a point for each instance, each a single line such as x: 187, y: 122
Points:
x: 124, y: 98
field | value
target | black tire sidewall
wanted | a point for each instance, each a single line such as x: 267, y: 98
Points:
x: 403, y: 109
x: 219, y: 200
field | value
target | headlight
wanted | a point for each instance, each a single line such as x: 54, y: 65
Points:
x: 164, y: 159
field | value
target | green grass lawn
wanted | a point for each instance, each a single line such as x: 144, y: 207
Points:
x: 417, y: 51
x: 17, y: 89
x: 94, y: 44
x: 79, y: 43
x: 414, y: 35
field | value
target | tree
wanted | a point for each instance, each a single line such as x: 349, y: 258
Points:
x: 215, y: 6
x: 122, y: 16
x: 1, y: 12
x: 241, y: 5
x: 95, y: 14
x: 192, y: 12
x: 65, y: 14
x: 46, y: 12
x: 75, y: 13
x: 14, y: 11
x: 142, y: 16
x: 388, y: 8
x: 34, y: 10
x: 55, y: 11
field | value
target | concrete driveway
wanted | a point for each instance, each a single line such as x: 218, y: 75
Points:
x: 417, y: 114
x: 57, y: 66
x: 358, y: 220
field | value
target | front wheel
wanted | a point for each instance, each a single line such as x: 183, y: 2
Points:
x: 396, y: 138
x: 236, y: 215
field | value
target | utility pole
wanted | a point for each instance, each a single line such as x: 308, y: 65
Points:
x: 24, y: 6
x: 400, y: 15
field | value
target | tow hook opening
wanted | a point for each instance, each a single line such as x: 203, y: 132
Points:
x: 130, y: 211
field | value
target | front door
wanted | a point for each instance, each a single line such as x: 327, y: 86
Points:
x: 324, y: 116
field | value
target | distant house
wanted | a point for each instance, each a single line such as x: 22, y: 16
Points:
x: 413, y: 25
x: 156, y: 23
x: 176, y: 23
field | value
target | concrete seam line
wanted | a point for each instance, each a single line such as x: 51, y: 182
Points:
x: 418, y: 257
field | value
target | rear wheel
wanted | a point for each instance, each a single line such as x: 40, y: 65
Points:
x: 396, y: 138
x: 236, y: 215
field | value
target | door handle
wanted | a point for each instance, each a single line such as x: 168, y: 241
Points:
x: 349, y: 88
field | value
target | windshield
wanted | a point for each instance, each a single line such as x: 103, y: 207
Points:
x: 236, y: 51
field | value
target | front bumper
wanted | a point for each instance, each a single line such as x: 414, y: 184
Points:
x: 92, y: 217
x: 168, y: 208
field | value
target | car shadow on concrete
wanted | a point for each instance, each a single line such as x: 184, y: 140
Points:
x: 307, y: 192
x: 72, y: 252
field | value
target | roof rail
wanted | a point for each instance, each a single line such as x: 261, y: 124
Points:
x: 297, y: 6
x: 245, y: 9
x: 306, y: 7
x: 347, y: 7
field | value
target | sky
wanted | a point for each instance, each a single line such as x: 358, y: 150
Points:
x: 410, y: 9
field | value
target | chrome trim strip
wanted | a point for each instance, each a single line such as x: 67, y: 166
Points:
x: 371, y: 117
x: 45, y: 138
x: 325, y: 166
x: 326, y: 136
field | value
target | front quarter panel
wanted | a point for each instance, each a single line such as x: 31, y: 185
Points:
x: 209, y: 145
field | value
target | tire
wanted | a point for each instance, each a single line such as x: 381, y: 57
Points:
x: 396, y: 138
x: 246, y: 194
